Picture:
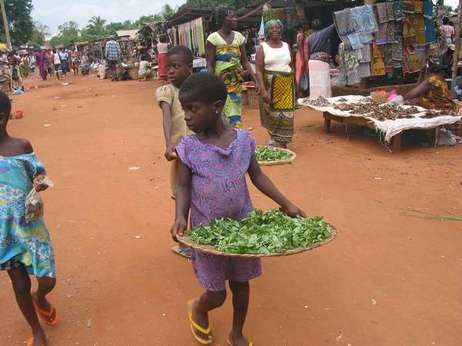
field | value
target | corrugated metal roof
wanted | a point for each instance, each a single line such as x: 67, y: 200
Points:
x: 130, y: 33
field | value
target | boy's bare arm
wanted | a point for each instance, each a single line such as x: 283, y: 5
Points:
x: 167, y: 124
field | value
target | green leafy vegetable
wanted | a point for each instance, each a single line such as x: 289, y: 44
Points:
x: 264, y: 153
x: 262, y: 232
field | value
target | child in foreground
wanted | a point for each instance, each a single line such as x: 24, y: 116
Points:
x: 179, y: 63
x: 25, y: 248
x: 213, y: 164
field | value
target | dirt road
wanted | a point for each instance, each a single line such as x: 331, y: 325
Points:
x: 389, y: 279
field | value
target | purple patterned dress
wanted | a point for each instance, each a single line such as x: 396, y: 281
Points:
x: 219, y: 190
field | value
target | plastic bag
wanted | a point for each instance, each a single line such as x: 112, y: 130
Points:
x: 34, y: 206
x: 34, y: 202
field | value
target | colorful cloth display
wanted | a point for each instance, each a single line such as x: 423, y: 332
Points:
x: 400, y: 30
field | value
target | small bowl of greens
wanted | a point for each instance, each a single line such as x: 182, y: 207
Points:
x: 261, y: 234
x: 267, y: 155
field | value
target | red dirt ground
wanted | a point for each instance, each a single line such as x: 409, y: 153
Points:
x: 388, y: 279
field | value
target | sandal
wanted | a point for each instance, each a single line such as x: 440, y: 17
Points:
x: 182, y: 251
x: 195, y: 328
x: 30, y: 342
x: 49, y: 317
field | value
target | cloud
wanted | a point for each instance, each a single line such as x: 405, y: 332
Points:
x: 52, y: 13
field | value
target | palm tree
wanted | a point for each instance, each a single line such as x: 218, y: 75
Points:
x: 96, y: 25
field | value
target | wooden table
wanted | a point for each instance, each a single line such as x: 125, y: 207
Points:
x: 363, y: 122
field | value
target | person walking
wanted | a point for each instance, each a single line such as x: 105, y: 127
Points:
x: 56, y: 63
x: 42, y: 63
x: 276, y: 84
x: 162, y: 49
x: 64, y: 61
x: 227, y: 59
x: 113, y: 55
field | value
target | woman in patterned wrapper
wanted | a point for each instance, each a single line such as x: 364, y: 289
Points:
x: 227, y: 59
x: 432, y: 91
x: 213, y: 165
x: 276, y: 82
x: 25, y: 246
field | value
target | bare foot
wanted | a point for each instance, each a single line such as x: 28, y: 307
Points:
x: 202, y: 319
x: 238, y: 340
x: 39, y: 338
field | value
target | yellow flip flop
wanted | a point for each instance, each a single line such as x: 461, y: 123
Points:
x: 196, y: 327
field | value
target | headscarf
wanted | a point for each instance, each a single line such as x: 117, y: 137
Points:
x: 270, y: 23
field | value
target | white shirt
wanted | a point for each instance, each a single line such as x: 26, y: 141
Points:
x: 277, y: 59
x: 56, y: 59
x: 162, y: 47
x: 64, y: 56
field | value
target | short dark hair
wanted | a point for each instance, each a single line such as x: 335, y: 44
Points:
x: 185, y: 52
x: 316, y: 24
x: 434, y: 68
x: 445, y: 20
x: 5, y: 105
x: 220, y: 15
x: 205, y: 87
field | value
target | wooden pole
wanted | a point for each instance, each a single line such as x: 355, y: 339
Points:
x: 5, y: 25
x: 456, y: 53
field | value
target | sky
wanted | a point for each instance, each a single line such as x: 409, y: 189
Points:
x: 53, y: 13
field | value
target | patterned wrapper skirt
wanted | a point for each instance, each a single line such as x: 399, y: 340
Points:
x: 278, y: 117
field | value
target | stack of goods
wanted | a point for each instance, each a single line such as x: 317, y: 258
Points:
x: 388, y: 38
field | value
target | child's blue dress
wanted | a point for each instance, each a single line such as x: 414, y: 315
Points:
x: 23, y: 243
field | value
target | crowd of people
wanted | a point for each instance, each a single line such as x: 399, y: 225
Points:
x: 57, y: 62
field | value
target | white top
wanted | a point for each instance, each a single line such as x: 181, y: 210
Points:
x: 143, y: 67
x: 277, y: 59
x: 56, y: 59
x: 162, y: 47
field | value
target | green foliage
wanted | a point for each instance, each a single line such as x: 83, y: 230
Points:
x: 168, y: 11
x: 447, y: 10
x: 98, y: 28
x: 39, y: 34
x: 68, y: 34
x: 95, y: 29
x: 266, y: 153
x: 206, y: 4
x: 20, y: 22
x: 270, y: 232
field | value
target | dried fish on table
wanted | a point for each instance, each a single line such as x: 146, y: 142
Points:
x: 317, y: 102
x: 378, y: 111
x: 433, y: 113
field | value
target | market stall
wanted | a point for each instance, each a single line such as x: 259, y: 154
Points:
x: 386, y: 119
x: 189, y: 27
x: 385, y: 43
